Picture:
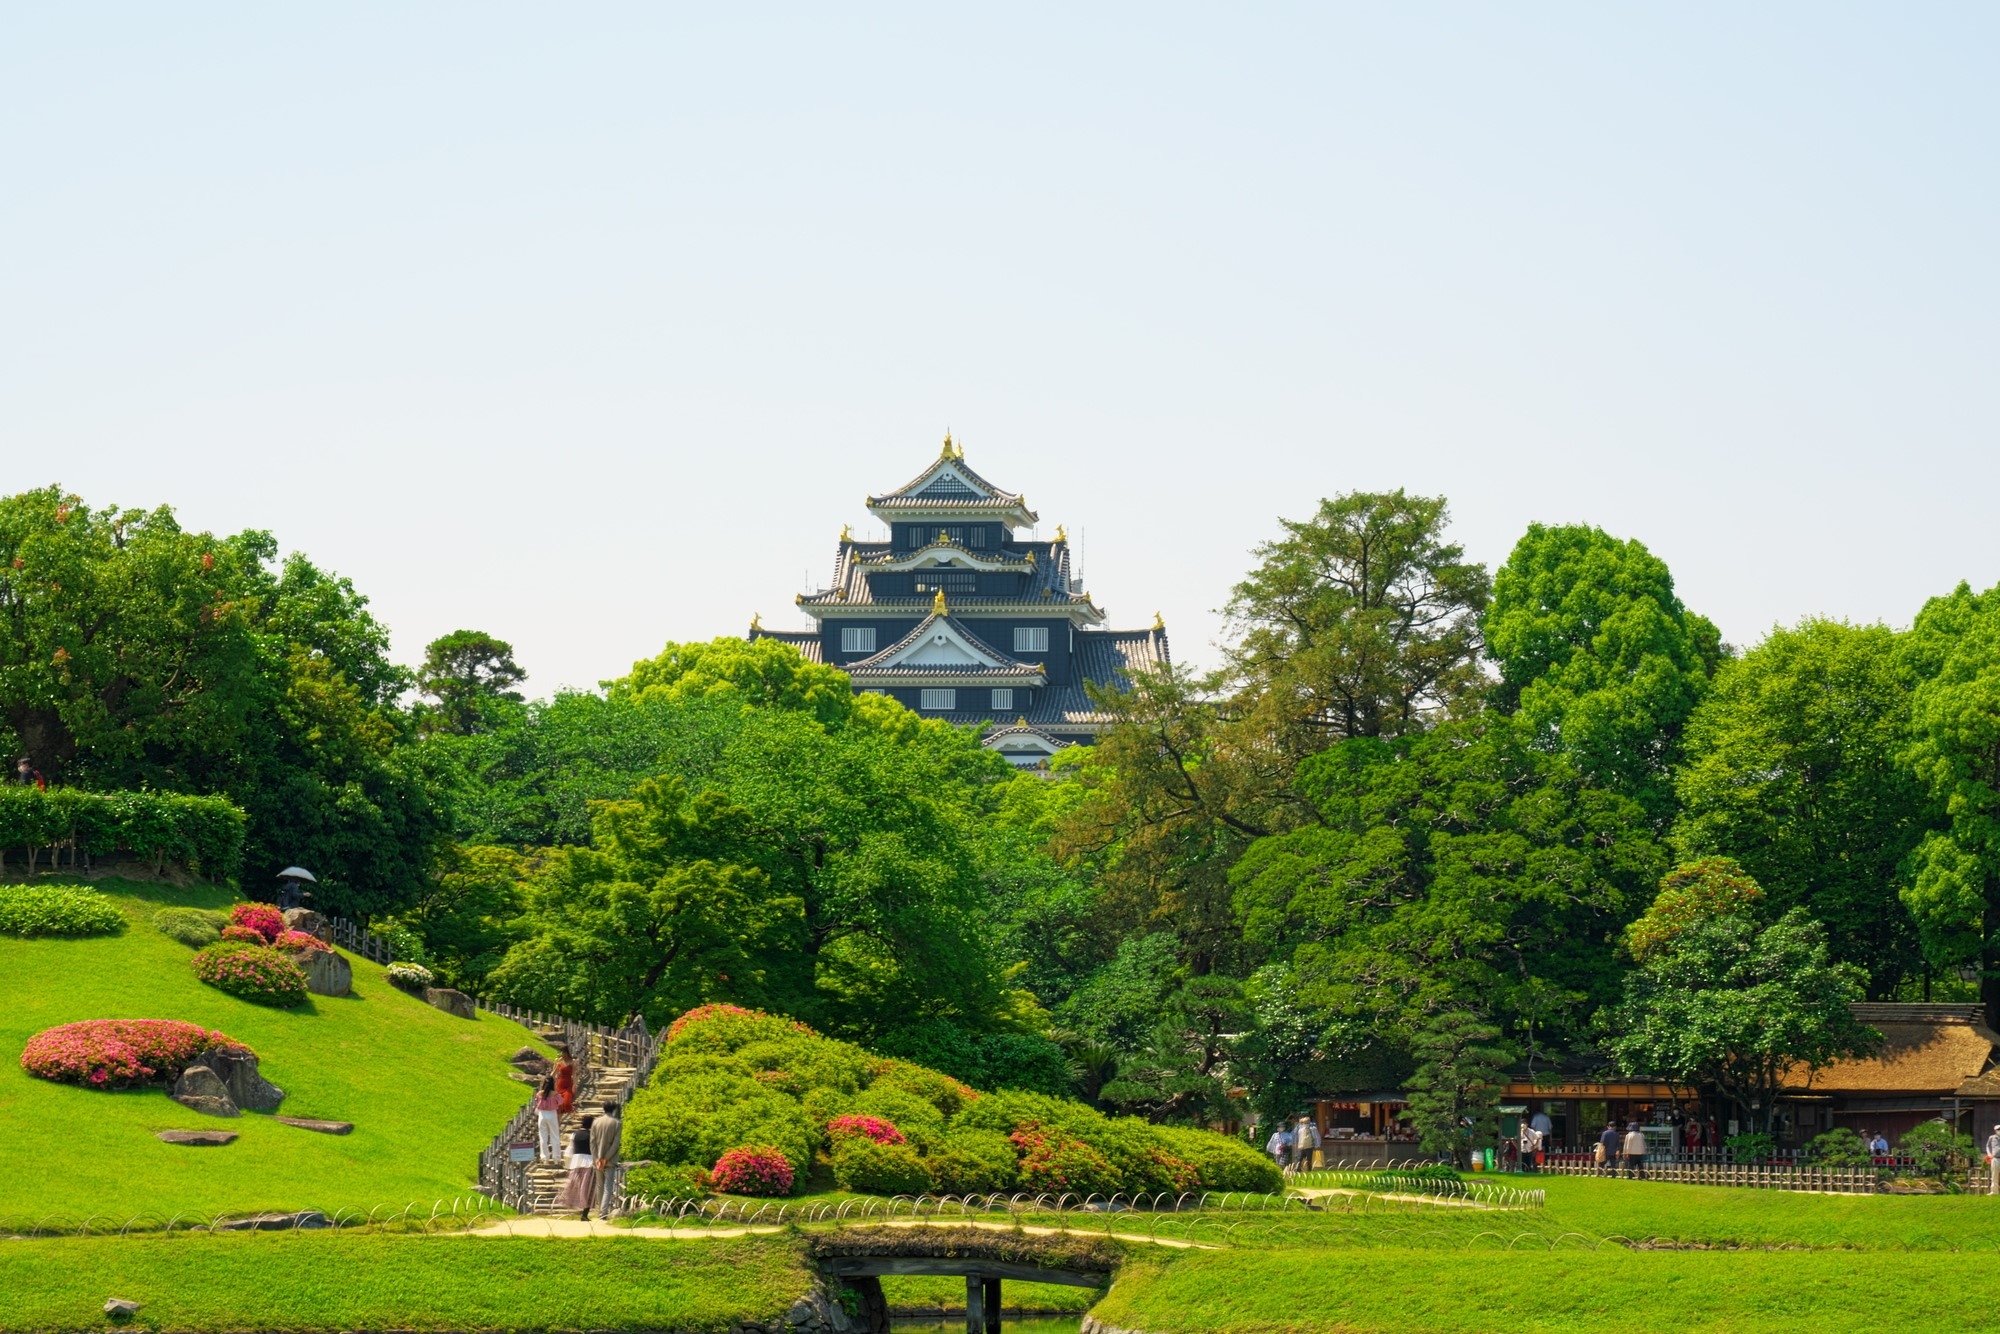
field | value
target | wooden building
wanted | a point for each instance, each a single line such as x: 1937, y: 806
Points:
x: 1935, y: 1061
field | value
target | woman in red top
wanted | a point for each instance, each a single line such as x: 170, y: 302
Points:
x: 565, y: 1081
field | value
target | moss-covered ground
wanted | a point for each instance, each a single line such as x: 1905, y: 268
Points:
x: 425, y: 1091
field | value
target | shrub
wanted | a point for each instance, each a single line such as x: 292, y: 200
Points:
x: 660, y: 1181
x: 203, y: 833
x: 867, y: 1127
x: 56, y: 910
x: 243, y: 935
x: 253, y: 972
x: 973, y: 1162
x: 861, y: 1164
x: 756, y: 1169
x: 823, y: 1104
x: 1054, y: 1161
x: 1839, y: 1147
x: 1937, y: 1151
x: 1750, y: 1147
x: 725, y: 1028
x: 695, y: 1119
x: 410, y: 976
x: 299, y: 940
x: 113, y: 1053
x: 939, y: 1090
x: 261, y: 918
x: 918, y: 1120
x: 1221, y: 1163
x: 190, y: 926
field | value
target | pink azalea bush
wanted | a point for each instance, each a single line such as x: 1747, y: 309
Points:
x: 299, y: 940
x: 115, y: 1053
x: 262, y: 918
x: 253, y: 972
x: 732, y: 1017
x: 755, y: 1169
x: 244, y: 935
x: 863, y: 1127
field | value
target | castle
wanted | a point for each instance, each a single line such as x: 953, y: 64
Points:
x: 959, y: 617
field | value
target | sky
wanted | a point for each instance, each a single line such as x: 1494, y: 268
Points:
x: 590, y: 326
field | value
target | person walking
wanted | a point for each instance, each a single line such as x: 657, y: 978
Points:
x: 1607, y: 1148
x: 579, y: 1190
x: 548, y: 1120
x: 1279, y: 1146
x: 1531, y: 1146
x: 565, y: 1081
x: 605, y: 1133
x: 1305, y: 1143
x: 1635, y: 1150
x: 1993, y: 1162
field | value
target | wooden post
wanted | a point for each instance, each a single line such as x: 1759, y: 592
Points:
x: 992, y: 1303
x: 975, y: 1305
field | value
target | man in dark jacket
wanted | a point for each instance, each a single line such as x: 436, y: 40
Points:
x: 1609, y: 1142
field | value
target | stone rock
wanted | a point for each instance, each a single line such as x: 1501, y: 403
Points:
x: 121, y: 1308
x: 451, y: 1002
x: 531, y: 1063
x: 310, y: 922
x: 327, y: 972
x: 802, y: 1311
x: 199, y: 1137
x: 201, y: 1089
x: 237, y: 1068
x: 322, y: 1127
x: 305, y: 1220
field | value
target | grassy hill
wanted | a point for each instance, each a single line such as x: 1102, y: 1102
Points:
x: 425, y: 1091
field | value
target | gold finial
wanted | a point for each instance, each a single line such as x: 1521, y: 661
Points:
x: 943, y: 539
x: 937, y: 605
x: 846, y: 533
x: 798, y: 597
x: 1061, y: 536
x: 1159, y: 622
x: 1021, y: 721
x: 757, y: 620
x: 1031, y: 558
x: 961, y: 452
x: 947, y: 446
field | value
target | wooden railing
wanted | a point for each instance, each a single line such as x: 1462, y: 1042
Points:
x: 361, y: 940
x: 1758, y: 1176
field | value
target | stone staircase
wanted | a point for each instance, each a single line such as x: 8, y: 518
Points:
x: 606, y: 1084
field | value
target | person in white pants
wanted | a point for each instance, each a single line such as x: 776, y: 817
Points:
x: 1993, y: 1162
x: 548, y: 1120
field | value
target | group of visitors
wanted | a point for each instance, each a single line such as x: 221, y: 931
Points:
x: 1292, y: 1145
x: 1622, y: 1153
x: 593, y: 1146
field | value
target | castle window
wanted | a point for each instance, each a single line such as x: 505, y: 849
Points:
x: 1003, y: 699
x: 977, y: 537
x: 950, y: 581
x: 1031, y: 639
x: 916, y: 537
x: 857, y: 639
x: 938, y: 701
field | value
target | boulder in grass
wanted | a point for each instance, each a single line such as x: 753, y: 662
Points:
x: 305, y: 1220
x: 201, y: 1089
x: 322, y: 1127
x: 237, y: 1068
x: 199, y: 1138
x: 121, y: 1308
x: 310, y: 922
x: 327, y: 972
x: 451, y: 1001
x: 531, y: 1063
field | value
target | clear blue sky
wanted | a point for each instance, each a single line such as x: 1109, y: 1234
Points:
x: 591, y: 325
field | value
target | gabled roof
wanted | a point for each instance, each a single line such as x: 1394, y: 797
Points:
x: 807, y: 642
x: 1022, y: 735
x: 1925, y: 1049
x: 950, y: 487
x: 1051, y: 590
x: 942, y: 649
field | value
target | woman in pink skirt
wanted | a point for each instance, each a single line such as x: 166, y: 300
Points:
x: 580, y: 1189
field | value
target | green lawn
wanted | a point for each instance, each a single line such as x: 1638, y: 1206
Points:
x: 1641, y: 1210
x: 302, y: 1281
x: 1571, y: 1292
x: 948, y: 1294
x: 425, y: 1091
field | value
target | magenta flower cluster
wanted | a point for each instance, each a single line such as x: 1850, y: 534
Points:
x: 253, y: 972
x: 114, y: 1053
x: 244, y: 935
x: 755, y: 1169
x: 261, y: 918
x: 300, y: 940
x: 863, y: 1127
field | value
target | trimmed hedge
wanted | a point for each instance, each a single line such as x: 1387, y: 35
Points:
x: 730, y: 1078
x: 57, y: 910
x: 190, y: 926
x: 253, y: 972
x: 117, y: 1053
x: 204, y: 834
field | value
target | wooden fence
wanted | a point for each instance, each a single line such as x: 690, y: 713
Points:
x: 361, y: 940
x: 1758, y: 1176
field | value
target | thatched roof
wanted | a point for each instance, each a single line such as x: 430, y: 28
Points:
x: 1936, y: 1049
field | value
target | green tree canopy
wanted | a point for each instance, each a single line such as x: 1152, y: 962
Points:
x: 1794, y: 767
x: 466, y: 673
x: 1598, y: 657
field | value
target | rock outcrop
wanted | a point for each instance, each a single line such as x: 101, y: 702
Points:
x: 203, y: 1090
x: 237, y: 1068
x: 327, y: 972
x: 451, y: 1002
x: 320, y: 1127
x: 310, y: 922
x: 200, y: 1138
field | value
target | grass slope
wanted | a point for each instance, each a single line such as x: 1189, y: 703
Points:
x: 1726, y: 1216
x: 288, y: 1282
x: 425, y: 1091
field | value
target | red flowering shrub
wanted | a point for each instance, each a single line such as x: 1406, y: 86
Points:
x: 1051, y: 1160
x: 244, y: 935
x: 112, y: 1053
x: 262, y: 918
x: 755, y: 1169
x: 1175, y: 1174
x: 300, y: 940
x: 254, y: 972
x: 864, y: 1127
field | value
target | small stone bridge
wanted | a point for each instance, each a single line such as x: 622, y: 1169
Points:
x: 860, y: 1257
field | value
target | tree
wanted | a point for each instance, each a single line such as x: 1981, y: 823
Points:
x: 1599, y: 658
x: 1719, y: 1001
x: 1953, y: 654
x: 1455, y: 1092
x: 466, y: 672
x: 1361, y: 621
x: 1794, y: 767
x: 764, y: 673
x: 1182, y: 1073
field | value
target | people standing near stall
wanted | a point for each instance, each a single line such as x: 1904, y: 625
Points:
x: 1279, y: 1146
x: 1607, y: 1148
x: 1305, y: 1143
x: 1635, y: 1150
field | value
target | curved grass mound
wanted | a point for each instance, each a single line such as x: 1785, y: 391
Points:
x: 57, y: 910
x: 731, y: 1079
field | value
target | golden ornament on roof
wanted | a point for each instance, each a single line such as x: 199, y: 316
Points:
x: 937, y: 605
x: 757, y: 620
x: 846, y: 533
x: 1159, y: 622
x: 1061, y: 536
x: 947, y: 446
